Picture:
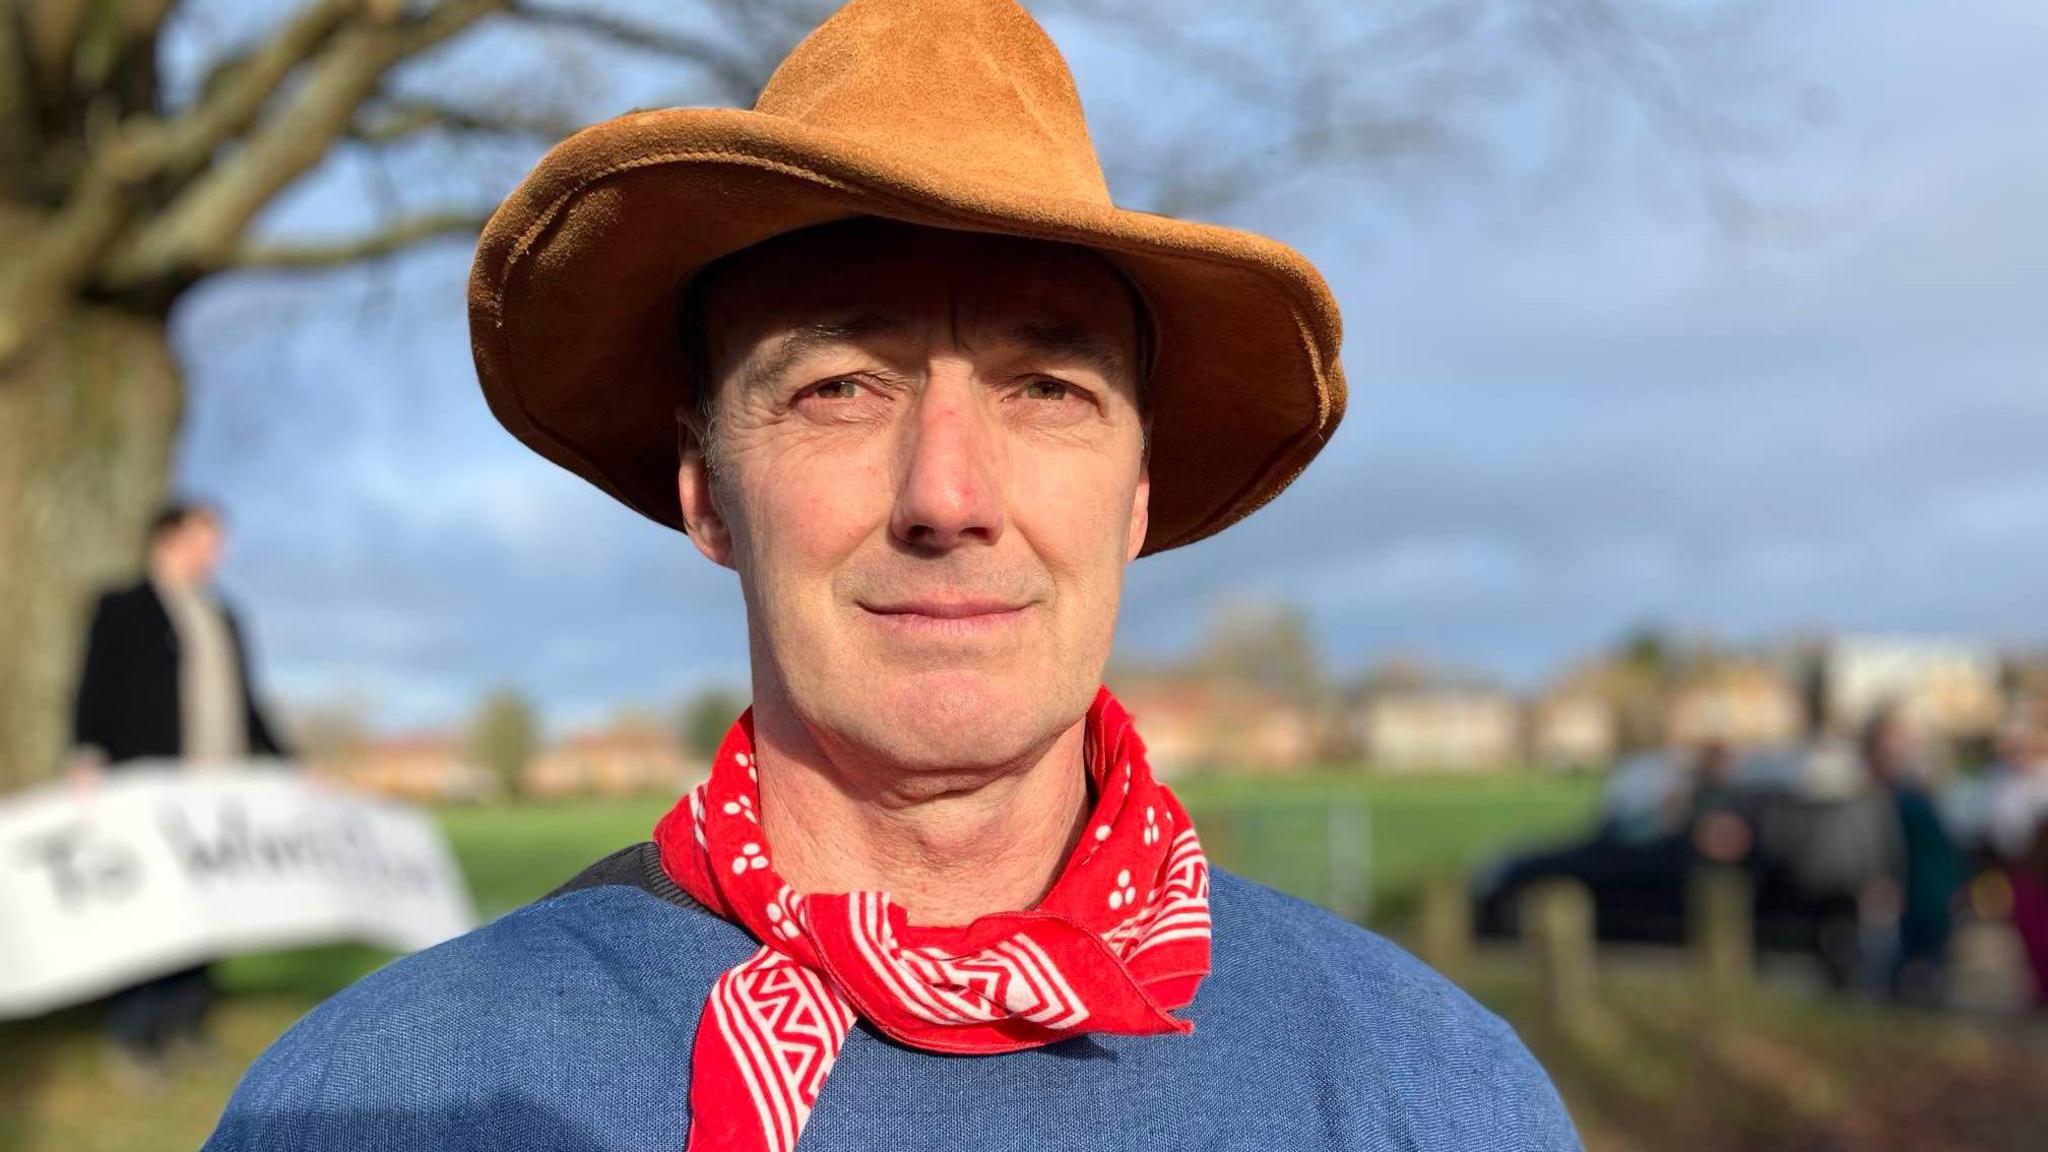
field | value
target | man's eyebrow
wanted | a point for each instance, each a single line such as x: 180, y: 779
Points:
x: 1062, y: 340
x: 772, y: 363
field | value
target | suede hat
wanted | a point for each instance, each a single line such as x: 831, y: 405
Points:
x: 945, y: 113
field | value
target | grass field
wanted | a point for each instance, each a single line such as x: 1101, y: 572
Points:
x: 1398, y: 830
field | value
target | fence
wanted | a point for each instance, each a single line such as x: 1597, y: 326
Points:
x: 1319, y: 850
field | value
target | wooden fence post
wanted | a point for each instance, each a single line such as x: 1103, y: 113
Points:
x: 1348, y: 841
x: 1446, y: 923
x: 1721, y: 928
x: 1557, y: 924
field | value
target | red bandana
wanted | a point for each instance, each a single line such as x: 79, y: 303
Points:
x: 1118, y: 944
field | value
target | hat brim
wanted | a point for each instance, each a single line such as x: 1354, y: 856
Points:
x: 577, y: 276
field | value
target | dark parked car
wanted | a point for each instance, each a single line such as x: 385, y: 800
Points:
x: 1814, y: 841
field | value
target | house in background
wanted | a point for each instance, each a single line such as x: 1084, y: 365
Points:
x: 1414, y: 724
x: 1945, y: 688
x: 1565, y: 719
x: 2024, y: 680
x: 427, y: 767
x: 1743, y: 703
x: 1194, y: 722
x: 1573, y: 729
x: 627, y: 759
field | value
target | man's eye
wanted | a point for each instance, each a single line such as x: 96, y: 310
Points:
x: 846, y: 389
x: 1047, y: 390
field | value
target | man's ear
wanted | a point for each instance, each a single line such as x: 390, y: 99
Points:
x: 698, y: 496
x: 1141, y: 502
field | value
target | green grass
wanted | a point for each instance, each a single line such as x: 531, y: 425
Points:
x: 54, y: 1094
x: 513, y: 855
x: 1406, y: 829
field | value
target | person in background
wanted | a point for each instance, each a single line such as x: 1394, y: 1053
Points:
x: 1932, y: 867
x: 1721, y: 832
x: 166, y: 677
x: 2018, y: 835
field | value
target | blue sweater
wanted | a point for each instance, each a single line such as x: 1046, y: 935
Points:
x: 568, y: 1024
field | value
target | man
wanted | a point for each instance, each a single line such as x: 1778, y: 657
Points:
x: 166, y: 673
x: 166, y: 677
x: 1721, y: 830
x: 2016, y: 832
x: 1929, y: 872
x: 883, y: 347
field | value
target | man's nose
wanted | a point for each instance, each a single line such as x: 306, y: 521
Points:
x: 951, y: 492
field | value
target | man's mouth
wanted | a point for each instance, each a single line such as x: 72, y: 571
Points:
x: 946, y: 615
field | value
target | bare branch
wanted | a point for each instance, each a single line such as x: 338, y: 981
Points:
x: 122, y: 54
x: 1639, y: 65
x: 52, y: 29
x: 398, y: 236
x: 203, y: 226
x: 397, y: 119
x: 99, y: 206
x: 75, y: 52
x: 100, y: 203
x: 737, y: 82
x: 18, y: 129
x: 188, y: 141
x: 37, y: 286
x: 145, y: 17
x: 348, y: 58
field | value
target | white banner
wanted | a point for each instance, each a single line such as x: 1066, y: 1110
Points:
x: 162, y: 866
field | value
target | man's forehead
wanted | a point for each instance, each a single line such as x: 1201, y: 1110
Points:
x: 1039, y: 329
x: 1086, y: 342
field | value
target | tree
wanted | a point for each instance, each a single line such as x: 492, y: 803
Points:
x: 706, y: 717
x: 1267, y: 645
x: 131, y: 174
x: 1649, y: 649
x: 1637, y: 680
x: 333, y: 732
x: 504, y: 737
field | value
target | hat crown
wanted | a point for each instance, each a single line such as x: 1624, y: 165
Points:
x: 975, y: 86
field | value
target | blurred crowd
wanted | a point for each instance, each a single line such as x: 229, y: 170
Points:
x: 1872, y: 855
x: 1883, y: 834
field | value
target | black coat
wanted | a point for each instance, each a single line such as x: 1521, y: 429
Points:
x: 127, y: 703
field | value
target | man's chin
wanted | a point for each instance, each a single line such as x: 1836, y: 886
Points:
x: 944, y: 724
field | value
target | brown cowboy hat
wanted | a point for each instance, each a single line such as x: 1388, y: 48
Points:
x: 946, y: 113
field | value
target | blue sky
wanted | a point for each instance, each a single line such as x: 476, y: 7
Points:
x: 1575, y: 406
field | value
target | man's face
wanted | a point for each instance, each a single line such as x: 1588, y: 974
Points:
x: 191, y: 552
x: 204, y: 543
x: 929, y: 474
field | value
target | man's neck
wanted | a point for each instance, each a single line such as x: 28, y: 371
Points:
x: 976, y: 843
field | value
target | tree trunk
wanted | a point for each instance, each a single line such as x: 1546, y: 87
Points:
x: 87, y: 423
